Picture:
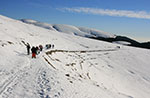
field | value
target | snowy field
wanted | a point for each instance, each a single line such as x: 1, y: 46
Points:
x: 77, y: 67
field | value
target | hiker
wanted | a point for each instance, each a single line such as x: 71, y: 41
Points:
x: 33, y: 52
x: 48, y: 46
x: 41, y: 47
x: 53, y: 46
x: 37, y: 50
x: 28, y: 48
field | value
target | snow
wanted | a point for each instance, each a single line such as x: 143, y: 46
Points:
x: 122, y: 42
x: 77, y: 67
x: 80, y: 31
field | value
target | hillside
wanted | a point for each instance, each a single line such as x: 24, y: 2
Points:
x: 89, y: 33
x: 77, y: 67
x: 68, y: 29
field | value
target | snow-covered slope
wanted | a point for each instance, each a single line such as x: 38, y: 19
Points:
x: 80, y: 31
x: 76, y: 68
x: 122, y: 42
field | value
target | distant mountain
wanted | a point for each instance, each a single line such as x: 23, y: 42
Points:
x: 89, y: 33
x: 125, y: 41
x: 145, y: 45
x: 80, y: 31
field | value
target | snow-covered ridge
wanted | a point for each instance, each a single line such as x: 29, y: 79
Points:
x: 80, y: 31
x: 88, y: 33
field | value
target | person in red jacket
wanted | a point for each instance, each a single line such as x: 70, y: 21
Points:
x: 33, y: 52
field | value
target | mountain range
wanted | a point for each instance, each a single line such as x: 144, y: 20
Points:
x: 89, y: 33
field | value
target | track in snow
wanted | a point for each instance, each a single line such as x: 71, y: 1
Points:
x: 8, y: 85
x: 78, y: 51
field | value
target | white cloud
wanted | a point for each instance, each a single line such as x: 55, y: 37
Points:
x: 119, y: 13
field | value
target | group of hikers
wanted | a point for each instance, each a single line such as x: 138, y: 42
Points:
x: 36, y: 50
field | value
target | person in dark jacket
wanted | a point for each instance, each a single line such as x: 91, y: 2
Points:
x: 33, y: 52
x: 53, y: 46
x: 48, y: 46
x: 37, y: 50
x: 28, y: 48
x: 41, y: 47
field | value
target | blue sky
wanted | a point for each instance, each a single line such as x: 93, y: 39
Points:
x: 121, y: 17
